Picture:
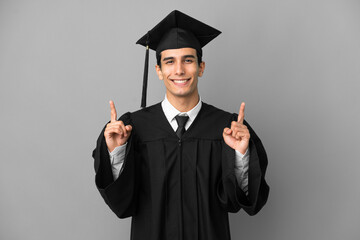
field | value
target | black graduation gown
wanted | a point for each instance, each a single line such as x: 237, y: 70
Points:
x: 177, y: 189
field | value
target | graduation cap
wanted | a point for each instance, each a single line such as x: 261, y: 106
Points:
x: 176, y: 30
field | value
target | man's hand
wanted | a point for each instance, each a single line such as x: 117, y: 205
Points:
x: 238, y: 136
x: 116, y: 133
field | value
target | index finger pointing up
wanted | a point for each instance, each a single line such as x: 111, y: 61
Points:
x: 113, y: 111
x: 241, y: 113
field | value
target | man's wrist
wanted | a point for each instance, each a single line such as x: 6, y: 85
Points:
x: 116, y: 151
x: 242, y: 151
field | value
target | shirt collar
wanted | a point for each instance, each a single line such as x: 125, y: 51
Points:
x: 170, y: 111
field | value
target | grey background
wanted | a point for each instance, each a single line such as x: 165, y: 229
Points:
x: 295, y: 64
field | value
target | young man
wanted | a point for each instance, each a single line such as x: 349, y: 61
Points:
x: 178, y: 167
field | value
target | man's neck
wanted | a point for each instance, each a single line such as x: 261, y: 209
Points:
x: 184, y: 104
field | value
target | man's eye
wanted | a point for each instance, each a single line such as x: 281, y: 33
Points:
x: 169, y: 62
x: 188, y: 60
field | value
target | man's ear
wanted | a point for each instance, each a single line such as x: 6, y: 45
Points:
x: 201, y: 69
x: 159, y: 72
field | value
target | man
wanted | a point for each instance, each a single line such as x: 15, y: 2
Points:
x: 178, y: 167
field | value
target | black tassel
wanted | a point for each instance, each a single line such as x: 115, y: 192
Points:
x: 146, y: 73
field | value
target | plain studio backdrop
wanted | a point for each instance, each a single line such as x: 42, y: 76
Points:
x: 295, y: 64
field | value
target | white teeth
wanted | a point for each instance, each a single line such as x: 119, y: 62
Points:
x: 180, y: 81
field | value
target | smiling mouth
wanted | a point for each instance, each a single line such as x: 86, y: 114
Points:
x: 180, y: 81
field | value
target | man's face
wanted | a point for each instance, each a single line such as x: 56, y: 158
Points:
x: 180, y: 71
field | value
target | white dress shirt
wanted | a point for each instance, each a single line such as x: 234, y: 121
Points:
x: 117, y: 156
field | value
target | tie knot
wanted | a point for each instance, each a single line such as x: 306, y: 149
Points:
x: 181, y: 120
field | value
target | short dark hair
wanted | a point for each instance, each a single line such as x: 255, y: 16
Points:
x: 158, y: 58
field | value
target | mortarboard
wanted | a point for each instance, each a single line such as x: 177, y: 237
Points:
x: 176, y: 30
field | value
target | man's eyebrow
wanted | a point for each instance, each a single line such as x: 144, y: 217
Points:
x: 189, y: 56
x: 168, y: 58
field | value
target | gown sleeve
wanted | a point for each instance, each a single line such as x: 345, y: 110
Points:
x: 119, y: 195
x: 231, y: 196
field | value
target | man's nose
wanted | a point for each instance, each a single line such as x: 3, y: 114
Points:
x: 179, y: 68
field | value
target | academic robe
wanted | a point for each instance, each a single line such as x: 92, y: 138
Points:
x: 180, y: 189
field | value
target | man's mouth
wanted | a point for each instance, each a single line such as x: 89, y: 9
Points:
x: 180, y: 81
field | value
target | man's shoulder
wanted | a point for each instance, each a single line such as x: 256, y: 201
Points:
x: 219, y: 115
x: 145, y: 115
x: 215, y: 112
x: 147, y: 111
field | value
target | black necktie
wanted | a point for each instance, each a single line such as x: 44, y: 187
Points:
x: 181, y: 120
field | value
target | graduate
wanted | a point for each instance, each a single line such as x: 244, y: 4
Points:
x: 180, y: 166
